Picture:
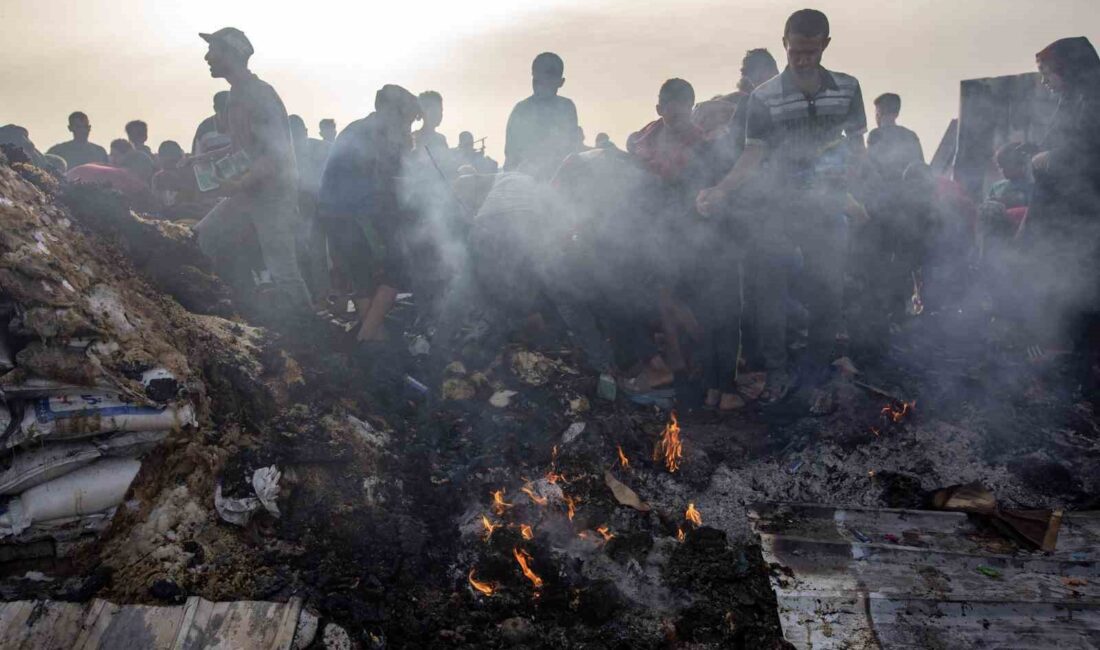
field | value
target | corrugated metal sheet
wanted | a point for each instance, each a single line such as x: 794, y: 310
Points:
x: 242, y: 625
x: 857, y: 578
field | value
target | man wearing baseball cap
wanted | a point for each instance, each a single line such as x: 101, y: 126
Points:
x: 262, y: 202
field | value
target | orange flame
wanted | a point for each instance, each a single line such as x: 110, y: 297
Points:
x: 680, y: 534
x: 571, y: 504
x: 623, y: 460
x: 488, y: 526
x: 606, y: 532
x: 523, y: 558
x: 552, y: 477
x: 670, y: 448
x: 484, y: 587
x: 526, y: 489
x: 693, y: 515
x: 525, y: 530
x: 499, y: 505
x: 896, y: 412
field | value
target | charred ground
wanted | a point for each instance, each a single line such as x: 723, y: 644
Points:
x: 385, y: 488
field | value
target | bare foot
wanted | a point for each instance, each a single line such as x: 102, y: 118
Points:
x: 712, y: 399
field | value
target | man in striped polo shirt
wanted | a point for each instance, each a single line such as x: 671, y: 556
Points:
x: 804, y: 133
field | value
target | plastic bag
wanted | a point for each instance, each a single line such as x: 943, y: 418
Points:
x: 239, y: 511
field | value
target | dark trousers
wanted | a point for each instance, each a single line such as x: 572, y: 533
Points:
x: 822, y: 238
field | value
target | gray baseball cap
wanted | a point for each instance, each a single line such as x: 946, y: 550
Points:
x: 233, y: 38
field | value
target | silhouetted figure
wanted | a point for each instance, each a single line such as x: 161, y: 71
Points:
x: 427, y: 138
x: 542, y: 129
x: 809, y: 150
x: 465, y: 154
x: 118, y: 172
x: 723, y: 118
x: 79, y: 150
x: 603, y: 141
x: 311, y: 157
x: 1062, y: 233
x: 166, y: 188
x: 143, y: 163
x: 327, y: 129
x: 262, y: 204
x: 892, y: 147
x: 213, y: 132
x: 360, y: 210
x: 137, y: 132
x: 13, y: 135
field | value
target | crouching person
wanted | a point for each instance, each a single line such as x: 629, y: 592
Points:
x: 359, y: 207
x: 261, y: 207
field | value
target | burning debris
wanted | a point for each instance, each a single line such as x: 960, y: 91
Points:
x: 484, y: 588
x: 669, y: 448
x: 693, y: 515
x: 524, y: 559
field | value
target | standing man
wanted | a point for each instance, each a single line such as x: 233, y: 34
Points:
x: 361, y: 211
x: 542, y: 129
x: 808, y: 123
x: 137, y: 132
x: 211, y: 133
x: 79, y: 151
x: 892, y: 147
x: 262, y: 202
x: 327, y: 129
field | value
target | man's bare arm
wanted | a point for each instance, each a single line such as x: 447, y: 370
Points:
x: 747, y: 166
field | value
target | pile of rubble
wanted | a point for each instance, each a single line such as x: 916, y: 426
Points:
x: 93, y: 379
x: 435, y: 497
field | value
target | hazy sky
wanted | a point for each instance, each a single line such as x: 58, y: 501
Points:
x: 124, y: 59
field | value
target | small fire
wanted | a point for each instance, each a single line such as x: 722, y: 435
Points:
x: 488, y: 526
x: 523, y: 558
x: 606, y: 532
x: 553, y: 477
x: 484, y: 587
x: 693, y: 515
x: 670, y: 448
x: 542, y: 501
x: 680, y: 534
x: 897, y: 411
x: 499, y: 505
x: 571, y: 504
x: 875, y: 431
x: 623, y: 460
x: 525, y: 530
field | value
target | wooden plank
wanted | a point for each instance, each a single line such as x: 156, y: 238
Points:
x: 840, y: 584
x: 96, y: 622
x: 900, y: 571
x: 141, y: 626
x: 934, y: 530
x: 867, y: 621
x: 39, y: 625
x: 242, y: 625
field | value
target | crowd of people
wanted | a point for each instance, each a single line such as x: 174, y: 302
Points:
x: 728, y: 233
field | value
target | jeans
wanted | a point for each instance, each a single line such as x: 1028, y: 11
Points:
x: 270, y: 221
